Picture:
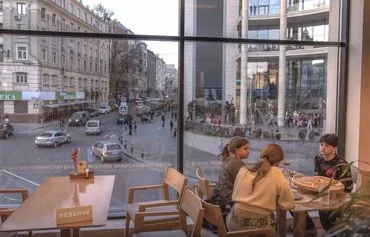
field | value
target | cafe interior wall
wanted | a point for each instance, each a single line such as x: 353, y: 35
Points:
x: 357, y: 141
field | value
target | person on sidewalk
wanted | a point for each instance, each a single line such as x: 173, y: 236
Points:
x: 175, y: 128
x: 163, y: 118
x: 171, y: 124
x: 258, y: 190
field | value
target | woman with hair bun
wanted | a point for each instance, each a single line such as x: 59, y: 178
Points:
x: 258, y: 190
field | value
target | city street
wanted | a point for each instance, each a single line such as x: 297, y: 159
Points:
x: 147, y: 152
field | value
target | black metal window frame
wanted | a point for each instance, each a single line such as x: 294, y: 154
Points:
x: 181, y: 39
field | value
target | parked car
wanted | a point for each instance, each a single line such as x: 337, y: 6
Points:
x: 104, y: 109
x: 93, y: 127
x: 106, y: 150
x: 6, y: 130
x: 78, y: 118
x: 123, y: 119
x: 52, y: 138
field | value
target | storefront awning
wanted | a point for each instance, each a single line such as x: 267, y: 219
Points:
x: 67, y: 104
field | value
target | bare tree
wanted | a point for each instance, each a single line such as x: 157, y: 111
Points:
x: 124, y: 66
x: 103, y: 12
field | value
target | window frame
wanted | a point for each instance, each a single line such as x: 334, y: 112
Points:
x: 21, y: 52
x: 21, y: 78
x: 21, y: 8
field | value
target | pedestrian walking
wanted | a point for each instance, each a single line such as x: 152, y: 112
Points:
x: 163, y: 118
x: 135, y: 126
x: 175, y: 128
x: 130, y: 127
x: 171, y: 124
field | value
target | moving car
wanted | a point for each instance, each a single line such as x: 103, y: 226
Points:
x: 104, y: 109
x: 78, y: 118
x: 106, y: 150
x: 52, y: 138
x: 6, y: 130
x: 93, y: 127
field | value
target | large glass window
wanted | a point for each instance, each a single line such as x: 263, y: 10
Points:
x: 131, y: 82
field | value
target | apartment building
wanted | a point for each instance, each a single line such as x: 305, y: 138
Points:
x: 46, y: 77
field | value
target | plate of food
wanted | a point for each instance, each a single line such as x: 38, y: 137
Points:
x: 317, y: 183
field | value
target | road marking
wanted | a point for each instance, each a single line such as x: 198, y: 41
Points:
x: 109, y: 134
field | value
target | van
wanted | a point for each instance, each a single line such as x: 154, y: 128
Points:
x: 93, y: 127
x: 78, y: 118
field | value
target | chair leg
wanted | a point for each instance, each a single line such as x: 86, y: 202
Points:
x: 127, y: 227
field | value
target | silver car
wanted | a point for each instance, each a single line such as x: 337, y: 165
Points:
x: 106, y: 150
x: 52, y: 138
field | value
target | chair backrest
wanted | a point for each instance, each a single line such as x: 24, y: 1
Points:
x: 191, y: 205
x: 204, y: 187
x: 175, y: 180
x: 212, y: 213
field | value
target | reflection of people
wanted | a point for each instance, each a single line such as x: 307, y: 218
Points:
x: 258, y: 190
x: 305, y: 34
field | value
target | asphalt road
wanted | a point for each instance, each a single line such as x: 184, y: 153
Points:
x: 27, y: 165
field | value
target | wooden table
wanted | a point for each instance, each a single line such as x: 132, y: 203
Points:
x: 308, y: 203
x: 38, y: 212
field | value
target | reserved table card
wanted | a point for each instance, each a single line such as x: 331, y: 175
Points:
x: 74, y: 214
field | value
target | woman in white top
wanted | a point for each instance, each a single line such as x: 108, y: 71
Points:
x: 257, y: 191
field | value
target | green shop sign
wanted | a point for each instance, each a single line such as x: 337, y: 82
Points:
x: 65, y: 95
x: 10, y: 95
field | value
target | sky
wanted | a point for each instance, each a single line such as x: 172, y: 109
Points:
x: 147, y: 17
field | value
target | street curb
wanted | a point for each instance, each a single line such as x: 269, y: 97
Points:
x: 132, y: 157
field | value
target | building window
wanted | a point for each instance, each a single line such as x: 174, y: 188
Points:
x: 43, y: 13
x: 55, y: 57
x: 22, y: 53
x: 21, y: 107
x: 71, y: 61
x: 91, y: 68
x: 72, y: 8
x: 44, y: 54
x: 45, y: 79
x: 21, y: 77
x: 63, y: 59
x: 54, y: 80
x: 85, y: 65
x: 78, y: 12
x: 53, y: 19
x: 21, y: 8
x: 78, y: 63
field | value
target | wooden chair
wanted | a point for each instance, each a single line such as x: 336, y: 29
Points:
x: 189, y: 205
x: 213, y: 214
x: 141, y: 213
x: 6, y: 212
x: 204, y: 186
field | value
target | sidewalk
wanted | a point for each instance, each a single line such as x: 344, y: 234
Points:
x: 28, y: 126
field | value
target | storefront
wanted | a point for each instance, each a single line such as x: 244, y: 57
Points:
x: 31, y: 106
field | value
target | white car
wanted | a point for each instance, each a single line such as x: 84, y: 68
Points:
x: 52, y: 138
x: 105, y: 150
x: 104, y: 109
x: 93, y: 127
